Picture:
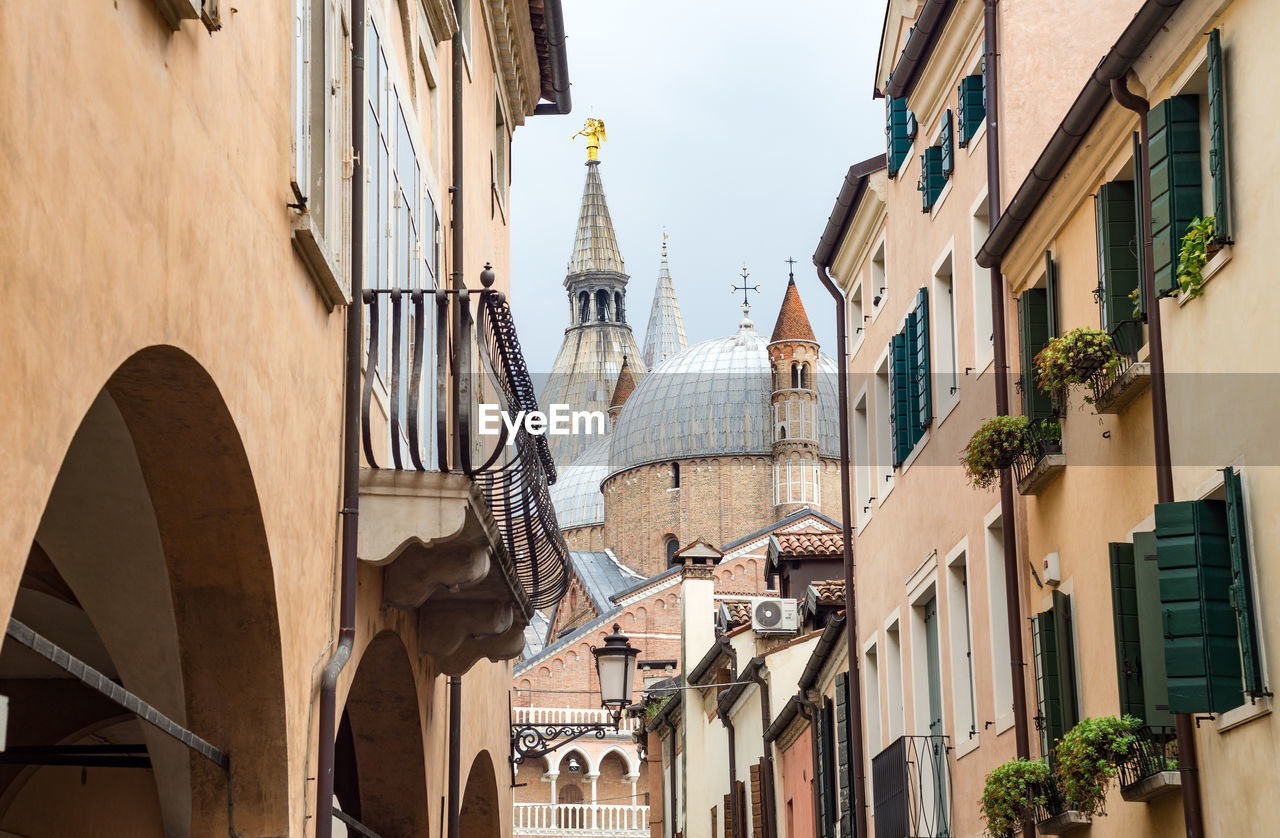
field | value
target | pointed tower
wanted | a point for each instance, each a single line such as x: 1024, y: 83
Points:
x: 598, y: 337
x: 665, y: 335
x: 626, y: 383
x: 793, y: 355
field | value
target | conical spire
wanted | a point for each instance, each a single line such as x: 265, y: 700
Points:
x: 595, y: 247
x: 792, y: 323
x: 622, y: 390
x: 665, y: 335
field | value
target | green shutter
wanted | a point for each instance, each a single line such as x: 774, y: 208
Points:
x: 1117, y: 251
x: 932, y: 178
x: 842, y: 751
x: 1174, y: 157
x: 1242, y: 582
x: 1218, y: 138
x: 1065, y: 632
x: 1048, y: 688
x: 1051, y: 294
x: 1033, y: 332
x: 1124, y: 610
x: 918, y: 345
x: 901, y: 419
x: 947, y: 143
x: 971, y: 111
x: 827, y: 811
x: 1201, y: 643
x: 1139, y: 244
x: 1155, y: 683
x: 897, y: 133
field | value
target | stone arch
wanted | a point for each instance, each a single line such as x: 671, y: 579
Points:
x: 630, y: 761
x: 380, y: 777
x: 602, y: 306
x: 619, y: 311
x: 584, y: 306
x: 478, y: 816
x: 153, y: 529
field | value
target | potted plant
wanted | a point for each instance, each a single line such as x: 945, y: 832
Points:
x: 1074, y: 358
x: 1087, y: 759
x: 1012, y: 793
x: 1198, y: 247
x: 994, y: 446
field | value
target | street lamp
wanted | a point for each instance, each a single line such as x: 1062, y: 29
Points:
x: 616, y: 669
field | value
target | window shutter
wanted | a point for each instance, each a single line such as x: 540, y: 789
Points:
x: 827, y: 776
x: 897, y: 133
x: 918, y: 345
x: 728, y: 815
x: 1118, y: 244
x: 1201, y: 641
x: 1242, y: 582
x: 1174, y: 157
x: 971, y: 111
x: 1033, y: 332
x: 932, y: 178
x: 947, y: 143
x: 740, y: 811
x: 1218, y: 138
x: 901, y: 398
x: 1146, y: 576
x: 819, y: 778
x: 1051, y: 294
x: 1064, y: 629
x: 1048, y: 688
x: 1124, y: 609
x: 757, y: 803
x: 842, y: 751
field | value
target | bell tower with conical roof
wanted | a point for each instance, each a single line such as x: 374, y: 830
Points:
x: 664, y: 336
x: 793, y: 355
x: 598, y: 337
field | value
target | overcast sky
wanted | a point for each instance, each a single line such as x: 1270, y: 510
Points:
x: 731, y: 124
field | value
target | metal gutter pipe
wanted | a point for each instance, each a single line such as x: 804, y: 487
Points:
x: 924, y: 37
x: 559, y: 57
x: 1188, y: 760
x: 766, y: 718
x: 350, y: 445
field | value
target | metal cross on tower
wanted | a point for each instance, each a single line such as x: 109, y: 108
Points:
x: 791, y: 268
x: 745, y: 288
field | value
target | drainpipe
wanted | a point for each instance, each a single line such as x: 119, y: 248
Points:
x: 766, y: 718
x: 455, y: 748
x: 846, y: 525
x: 1013, y: 585
x: 350, y: 442
x: 1188, y: 761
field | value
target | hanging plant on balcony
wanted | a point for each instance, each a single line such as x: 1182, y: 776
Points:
x: 1197, y: 248
x: 995, y: 445
x: 1075, y: 358
x: 1088, y: 757
x: 1012, y: 793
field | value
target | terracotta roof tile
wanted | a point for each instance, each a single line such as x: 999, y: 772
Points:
x: 626, y: 383
x: 792, y: 323
x: 739, y: 611
x: 809, y: 543
x: 830, y: 592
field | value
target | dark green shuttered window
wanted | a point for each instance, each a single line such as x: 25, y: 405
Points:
x: 972, y: 110
x: 1218, y: 137
x: 898, y: 132
x: 932, y: 178
x: 1242, y: 582
x: 1135, y: 599
x: 1033, y: 335
x: 1176, y: 199
x: 1118, y: 247
x: 947, y: 143
x: 911, y: 385
x: 900, y: 396
x: 1124, y: 605
x: 825, y: 778
x: 918, y: 344
x: 844, y: 787
x: 1053, y: 641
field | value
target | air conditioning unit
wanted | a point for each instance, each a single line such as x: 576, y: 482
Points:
x: 775, y: 616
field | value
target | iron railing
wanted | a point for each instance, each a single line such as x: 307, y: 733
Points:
x: 1040, y: 444
x: 1055, y: 802
x: 911, y: 787
x: 434, y: 370
x: 1126, y: 339
x: 1155, y: 751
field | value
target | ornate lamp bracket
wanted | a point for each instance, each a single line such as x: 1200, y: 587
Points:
x: 530, y: 741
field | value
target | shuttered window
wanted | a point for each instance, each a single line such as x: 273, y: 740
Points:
x: 1052, y: 638
x: 1218, y: 138
x: 757, y: 802
x: 843, y: 785
x: 971, y: 110
x: 911, y: 383
x: 728, y: 815
x: 826, y: 772
x: 1051, y: 295
x: 1033, y: 335
x: 901, y: 387
x: 918, y: 344
x: 932, y: 178
x: 1242, y: 583
x: 898, y: 132
x: 1124, y: 608
x: 1176, y: 199
x: 1118, y: 246
x: 947, y: 142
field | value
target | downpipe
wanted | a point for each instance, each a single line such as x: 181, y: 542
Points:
x: 766, y: 718
x: 350, y: 445
x: 1188, y: 759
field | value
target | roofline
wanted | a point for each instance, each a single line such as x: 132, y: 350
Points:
x: 639, y: 586
x: 745, y: 681
x: 791, y: 518
x: 855, y: 184
x: 1074, y: 127
x: 826, y: 643
x: 788, y: 714
x: 920, y: 45
x: 561, y: 642
x: 674, y: 703
x: 558, y: 55
x: 702, y: 667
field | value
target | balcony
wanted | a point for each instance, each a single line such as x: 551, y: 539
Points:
x: 572, y: 716
x: 461, y: 524
x: 1113, y: 390
x: 1041, y: 459
x: 1054, y: 818
x: 553, y: 820
x: 911, y: 783
x: 1152, y: 770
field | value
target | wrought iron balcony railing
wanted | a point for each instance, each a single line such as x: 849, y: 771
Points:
x: 431, y: 368
x: 1156, y: 751
x: 911, y: 782
x: 1041, y: 442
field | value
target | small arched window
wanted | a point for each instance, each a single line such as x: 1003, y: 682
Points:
x: 602, y: 306
x: 584, y: 307
x: 675, y: 475
x: 618, y: 314
x: 795, y: 376
x: 804, y: 376
x: 670, y: 546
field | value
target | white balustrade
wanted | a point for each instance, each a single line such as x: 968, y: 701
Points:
x: 569, y: 715
x: 573, y: 819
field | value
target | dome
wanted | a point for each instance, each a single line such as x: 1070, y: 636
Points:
x: 711, y: 399
x: 576, y: 494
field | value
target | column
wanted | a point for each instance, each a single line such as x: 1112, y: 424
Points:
x: 591, y: 812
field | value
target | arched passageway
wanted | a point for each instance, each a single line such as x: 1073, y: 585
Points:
x: 479, y: 816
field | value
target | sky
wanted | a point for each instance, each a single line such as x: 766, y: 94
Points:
x: 730, y: 125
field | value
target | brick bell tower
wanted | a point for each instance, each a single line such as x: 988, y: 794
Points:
x: 793, y: 355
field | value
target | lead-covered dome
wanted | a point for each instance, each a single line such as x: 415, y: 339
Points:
x: 712, y: 399
x: 576, y: 493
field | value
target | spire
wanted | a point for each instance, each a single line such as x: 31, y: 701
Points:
x: 792, y: 323
x: 595, y: 247
x: 621, y: 390
x: 665, y: 335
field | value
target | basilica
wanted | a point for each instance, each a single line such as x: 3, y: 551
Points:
x: 720, y: 446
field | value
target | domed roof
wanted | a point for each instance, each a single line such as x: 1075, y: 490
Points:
x: 576, y: 493
x: 712, y: 399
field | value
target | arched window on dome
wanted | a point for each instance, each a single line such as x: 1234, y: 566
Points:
x: 584, y: 307
x: 675, y: 475
x: 804, y: 377
x: 602, y: 306
x: 617, y: 307
x: 669, y: 546
x: 795, y: 376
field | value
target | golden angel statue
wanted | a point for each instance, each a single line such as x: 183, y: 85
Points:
x: 594, y: 132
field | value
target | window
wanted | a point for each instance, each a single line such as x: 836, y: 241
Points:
x: 884, y: 428
x: 1033, y: 335
x: 1119, y: 260
x: 1052, y: 637
x: 826, y: 781
x: 844, y: 748
x: 670, y: 545
x: 912, y: 389
x: 501, y: 150
x: 998, y: 605
x: 960, y: 642
x: 1210, y: 623
x: 983, y: 333
x: 675, y: 475
x: 855, y: 316
x: 1139, y: 630
x: 319, y: 69
x: 871, y: 686
x: 936, y: 164
x: 926, y: 659
x: 879, y: 281
x: 893, y: 682
x: 863, y: 474
x: 947, y: 376
x: 900, y: 130
x: 971, y: 110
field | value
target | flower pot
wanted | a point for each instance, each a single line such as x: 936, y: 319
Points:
x: 1126, y: 336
